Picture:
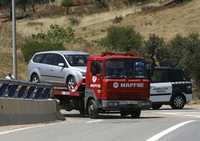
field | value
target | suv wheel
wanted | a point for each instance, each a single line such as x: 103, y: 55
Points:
x: 92, y: 109
x: 71, y: 83
x: 178, y: 102
x: 35, y: 78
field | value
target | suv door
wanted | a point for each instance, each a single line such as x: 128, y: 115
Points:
x: 161, y: 88
x: 59, y: 72
x: 51, y: 71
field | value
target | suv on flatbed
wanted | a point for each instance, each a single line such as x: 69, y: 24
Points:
x: 58, y: 67
x: 170, y: 86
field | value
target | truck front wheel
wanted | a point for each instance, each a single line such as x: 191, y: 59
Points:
x: 92, y: 109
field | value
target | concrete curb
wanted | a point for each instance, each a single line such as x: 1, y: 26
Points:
x: 26, y: 111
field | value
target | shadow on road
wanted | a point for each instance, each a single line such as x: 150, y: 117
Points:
x: 109, y: 116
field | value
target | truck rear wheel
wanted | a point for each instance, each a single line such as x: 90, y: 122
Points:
x: 136, y: 113
x: 156, y: 106
x: 92, y: 109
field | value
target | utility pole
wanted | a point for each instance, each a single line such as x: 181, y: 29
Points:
x: 14, y: 50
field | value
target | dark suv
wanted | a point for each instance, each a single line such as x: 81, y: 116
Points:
x: 170, y: 86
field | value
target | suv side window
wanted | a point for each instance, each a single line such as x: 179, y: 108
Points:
x: 48, y: 59
x: 160, y: 75
x: 58, y: 59
x: 176, y: 75
x: 38, y: 58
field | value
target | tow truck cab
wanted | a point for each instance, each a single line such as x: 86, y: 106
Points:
x: 117, y: 82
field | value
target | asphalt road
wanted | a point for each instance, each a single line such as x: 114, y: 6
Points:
x: 162, y: 125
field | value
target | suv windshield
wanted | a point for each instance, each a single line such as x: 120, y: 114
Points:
x: 77, y: 60
x: 125, y: 68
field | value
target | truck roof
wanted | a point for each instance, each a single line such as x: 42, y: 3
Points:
x: 106, y: 56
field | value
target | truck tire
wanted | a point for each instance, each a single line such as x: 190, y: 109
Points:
x: 92, y: 109
x: 178, y: 102
x: 123, y: 114
x: 82, y: 108
x: 136, y: 113
x: 156, y: 106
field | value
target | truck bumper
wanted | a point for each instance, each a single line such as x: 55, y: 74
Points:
x: 115, y: 105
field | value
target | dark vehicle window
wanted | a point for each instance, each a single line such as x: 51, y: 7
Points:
x: 96, y: 68
x: 58, y: 59
x: 125, y: 68
x: 48, y: 59
x: 176, y: 75
x: 77, y: 60
x: 38, y: 58
x: 160, y: 75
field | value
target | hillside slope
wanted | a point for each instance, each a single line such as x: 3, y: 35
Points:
x: 167, y: 22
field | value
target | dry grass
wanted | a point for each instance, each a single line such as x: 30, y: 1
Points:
x: 168, y: 22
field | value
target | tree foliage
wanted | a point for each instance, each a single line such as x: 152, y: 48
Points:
x: 122, y: 39
x: 54, y: 39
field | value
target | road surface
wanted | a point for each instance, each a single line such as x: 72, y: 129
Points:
x: 162, y: 125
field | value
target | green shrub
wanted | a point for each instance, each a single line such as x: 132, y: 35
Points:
x: 32, y: 46
x: 122, y: 39
x: 54, y: 39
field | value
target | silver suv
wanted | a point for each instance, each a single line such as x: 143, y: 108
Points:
x: 58, y: 67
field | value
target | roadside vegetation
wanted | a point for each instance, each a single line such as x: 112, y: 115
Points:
x: 93, y: 26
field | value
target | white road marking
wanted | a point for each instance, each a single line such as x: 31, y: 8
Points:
x: 167, y: 131
x: 94, y: 121
x: 19, y: 129
x: 26, y: 128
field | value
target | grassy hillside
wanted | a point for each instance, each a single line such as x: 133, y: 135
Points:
x: 166, y: 22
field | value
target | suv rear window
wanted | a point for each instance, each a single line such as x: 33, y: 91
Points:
x: 176, y: 75
x: 38, y: 58
x: 168, y: 75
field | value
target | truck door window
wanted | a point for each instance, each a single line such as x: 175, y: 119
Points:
x: 96, y: 68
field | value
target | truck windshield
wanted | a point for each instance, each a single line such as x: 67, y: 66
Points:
x: 77, y: 60
x: 126, y: 68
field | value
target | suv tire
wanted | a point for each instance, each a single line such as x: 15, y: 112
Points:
x: 35, y: 78
x: 71, y: 82
x: 178, y: 102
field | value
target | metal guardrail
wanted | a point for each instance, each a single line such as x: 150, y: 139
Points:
x: 25, y: 90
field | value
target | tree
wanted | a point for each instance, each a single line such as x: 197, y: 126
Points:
x: 155, y: 49
x: 122, y: 39
x: 67, y: 4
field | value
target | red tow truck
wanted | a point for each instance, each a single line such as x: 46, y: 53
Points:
x: 114, y: 82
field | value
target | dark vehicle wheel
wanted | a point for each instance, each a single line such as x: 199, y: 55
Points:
x: 71, y: 83
x: 35, y: 78
x: 92, y: 109
x: 156, y: 106
x: 136, y: 113
x: 123, y: 114
x: 81, y: 109
x: 178, y: 102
